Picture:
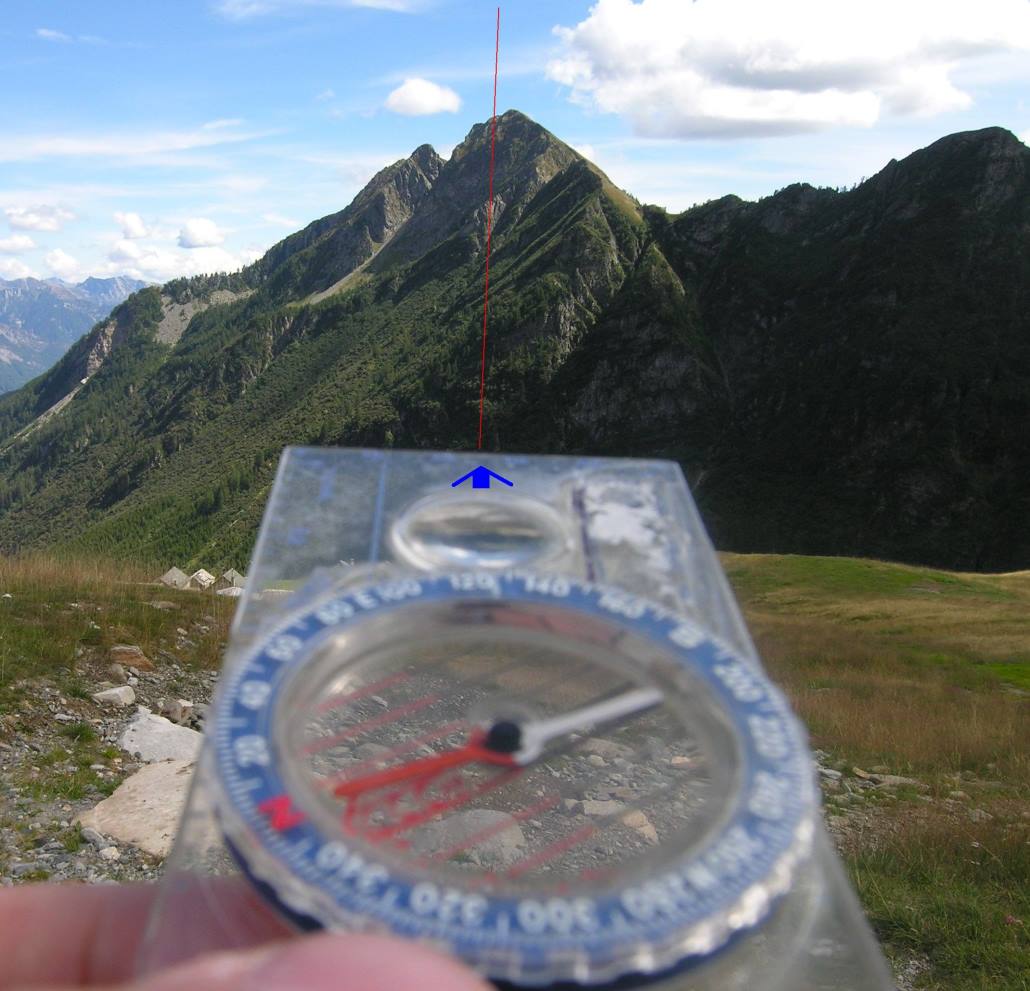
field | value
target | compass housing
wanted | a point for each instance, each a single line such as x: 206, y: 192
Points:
x: 387, y: 617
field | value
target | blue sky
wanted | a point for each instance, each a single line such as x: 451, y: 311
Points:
x: 164, y: 138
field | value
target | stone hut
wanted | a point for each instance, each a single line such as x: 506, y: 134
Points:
x: 232, y: 579
x: 174, y: 578
x: 201, y: 579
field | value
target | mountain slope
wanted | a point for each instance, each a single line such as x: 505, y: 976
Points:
x: 39, y: 320
x: 838, y: 372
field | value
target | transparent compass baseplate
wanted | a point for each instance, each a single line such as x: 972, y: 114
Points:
x: 524, y: 725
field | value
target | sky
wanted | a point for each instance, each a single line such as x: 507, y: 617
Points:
x: 175, y: 137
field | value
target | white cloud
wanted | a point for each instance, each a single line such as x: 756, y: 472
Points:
x: 37, y: 218
x: 199, y: 232
x: 48, y: 34
x: 241, y: 10
x: 326, y: 94
x: 276, y: 218
x: 12, y: 268
x: 157, y: 263
x: 63, y: 265
x: 417, y: 97
x: 131, y: 224
x: 24, y: 148
x: 221, y: 123
x: 744, y: 68
x: 16, y: 244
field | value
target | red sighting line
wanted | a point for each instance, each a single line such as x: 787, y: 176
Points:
x: 434, y: 809
x: 403, y: 748
x: 358, y: 728
x: 482, y: 835
x: 489, y: 231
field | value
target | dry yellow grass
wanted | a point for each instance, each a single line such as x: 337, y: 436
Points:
x: 918, y: 669
x: 46, y: 570
x: 871, y: 701
x: 62, y: 608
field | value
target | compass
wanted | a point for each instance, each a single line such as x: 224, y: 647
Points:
x: 551, y: 779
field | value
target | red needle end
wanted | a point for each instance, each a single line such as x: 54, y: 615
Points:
x: 469, y: 753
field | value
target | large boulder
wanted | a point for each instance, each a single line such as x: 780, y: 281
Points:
x: 122, y: 695
x: 145, y: 808
x: 155, y: 738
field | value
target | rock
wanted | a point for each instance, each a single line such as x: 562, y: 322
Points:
x: 859, y: 773
x: 605, y: 748
x: 897, y: 781
x: 117, y: 672
x: 829, y: 774
x: 145, y: 808
x: 371, y: 751
x: 959, y: 796
x: 880, y: 769
x: 93, y: 838
x: 980, y: 815
x: 486, y: 836
x: 602, y: 808
x: 123, y: 695
x: 6, y: 595
x: 64, y: 717
x: 111, y: 853
x: 163, y: 604
x: 636, y: 820
x: 155, y: 738
x: 680, y: 761
x: 130, y: 656
x: 595, y: 760
x: 177, y: 710
x: 20, y: 870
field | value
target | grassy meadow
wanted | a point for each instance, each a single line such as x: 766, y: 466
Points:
x: 925, y: 674
x: 64, y: 612
x: 914, y: 671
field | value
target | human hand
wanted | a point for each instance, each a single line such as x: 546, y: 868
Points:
x: 57, y: 937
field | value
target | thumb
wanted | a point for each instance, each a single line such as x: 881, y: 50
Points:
x: 326, y: 962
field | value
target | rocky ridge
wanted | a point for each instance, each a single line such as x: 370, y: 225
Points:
x: 838, y: 372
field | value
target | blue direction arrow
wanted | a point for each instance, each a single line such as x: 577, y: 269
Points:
x: 480, y: 478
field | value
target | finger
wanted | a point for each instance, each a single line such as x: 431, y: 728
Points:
x: 326, y: 962
x: 84, y: 935
x: 70, y: 934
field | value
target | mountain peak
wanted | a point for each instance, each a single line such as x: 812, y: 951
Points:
x: 986, y: 169
x: 526, y: 156
x: 990, y: 137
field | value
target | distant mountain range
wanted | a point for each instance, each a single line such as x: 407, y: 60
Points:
x: 843, y: 372
x: 41, y: 319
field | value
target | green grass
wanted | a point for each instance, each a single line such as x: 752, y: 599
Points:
x: 63, y: 615
x: 956, y: 893
x: 925, y: 672
x: 80, y: 732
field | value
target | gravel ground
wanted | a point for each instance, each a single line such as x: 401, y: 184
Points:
x: 59, y: 757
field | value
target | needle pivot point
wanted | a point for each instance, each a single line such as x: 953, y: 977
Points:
x: 504, y: 736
